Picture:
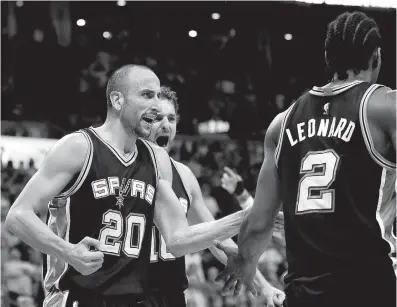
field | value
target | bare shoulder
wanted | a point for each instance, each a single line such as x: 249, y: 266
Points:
x: 381, y: 107
x: 184, y: 169
x: 158, y: 151
x: 68, y: 154
x: 163, y: 162
x: 274, y: 129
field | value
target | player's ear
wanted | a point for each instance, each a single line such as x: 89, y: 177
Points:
x: 117, y: 100
x: 376, y: 58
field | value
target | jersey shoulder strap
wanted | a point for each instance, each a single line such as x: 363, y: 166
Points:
x: 179, y: 169
x: 153, y: 156
x: 75, y: 184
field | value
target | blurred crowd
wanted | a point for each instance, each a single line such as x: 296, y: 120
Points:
x: 21, y: 265
x: 233, y: 79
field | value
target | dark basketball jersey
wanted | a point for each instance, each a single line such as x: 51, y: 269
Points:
x: 335, y: 187
x: 112, y: 200
x: 168, y: 273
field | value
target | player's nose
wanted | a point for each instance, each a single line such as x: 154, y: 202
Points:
x: 156, y: 105
x: 165, y: 124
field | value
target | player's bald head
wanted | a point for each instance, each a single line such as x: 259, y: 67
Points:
x: 126, y: 78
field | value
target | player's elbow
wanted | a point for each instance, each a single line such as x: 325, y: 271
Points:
x: 12, y: 218
x: 176, y: 248
x: 178, y: 244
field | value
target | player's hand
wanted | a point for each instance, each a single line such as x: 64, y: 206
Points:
x: 272, y: 296
x: 84, y: 260
x: 230, y: 179
x: 279, y: 224
x: 237, y: 271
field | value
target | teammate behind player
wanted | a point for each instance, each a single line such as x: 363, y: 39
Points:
x: 108, y: 187
x: 330, y: 159
x: 167, y: 274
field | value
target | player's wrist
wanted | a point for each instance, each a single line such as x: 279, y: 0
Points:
x: 239, y: 188
x: 243, y: 197
x: 63, y: 250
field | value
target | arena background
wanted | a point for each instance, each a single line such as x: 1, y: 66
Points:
x: 234, y: 65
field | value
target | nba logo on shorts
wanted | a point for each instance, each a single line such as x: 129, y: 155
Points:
x: 75, y: 304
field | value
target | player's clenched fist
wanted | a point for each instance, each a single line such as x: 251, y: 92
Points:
x: 83, y: 259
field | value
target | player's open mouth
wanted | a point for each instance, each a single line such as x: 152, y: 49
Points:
x: 149, y: 118
x: 162, y: 140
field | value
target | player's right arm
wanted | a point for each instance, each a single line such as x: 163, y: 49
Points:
x: 64, y: 161
x: 256, y: 228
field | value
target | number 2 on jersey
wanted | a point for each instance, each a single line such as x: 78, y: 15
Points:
x: 319, y: 181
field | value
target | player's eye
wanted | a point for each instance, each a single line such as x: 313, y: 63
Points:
x: 148, y: 95
x: 172, y: 119
x: 159, y: 118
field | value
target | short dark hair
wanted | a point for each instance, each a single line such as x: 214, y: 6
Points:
x: 167, y: 93
x: 351, y: 40
x: 115, y: 80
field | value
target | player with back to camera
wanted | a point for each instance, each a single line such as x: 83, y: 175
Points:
x: 330, y: 160
x: 104, y: 188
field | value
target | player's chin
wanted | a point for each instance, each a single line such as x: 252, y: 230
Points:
x: 143, y: 131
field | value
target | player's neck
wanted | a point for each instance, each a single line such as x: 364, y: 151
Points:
x: 124, y: 142
x: 351, y: 77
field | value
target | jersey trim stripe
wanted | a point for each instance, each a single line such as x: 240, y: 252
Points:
x: 56, y: 299
x: 382, y: 204
x: 47, y: 275
x: 55, y: 267
x: 153, y: 155
x: 66, y: 239
x: 281, y: 136
x: 363, y: 115
x: 125, y: 161
x: 318, y: 91
x: 178, y: 169
x: 84, y: 171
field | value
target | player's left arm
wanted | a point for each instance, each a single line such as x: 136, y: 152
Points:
x: 170, y: 218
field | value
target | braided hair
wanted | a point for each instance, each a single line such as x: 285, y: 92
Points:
x: 351, y: 40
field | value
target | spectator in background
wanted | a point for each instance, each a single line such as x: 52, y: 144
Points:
x: 280, y: 102
x: 214, y: 288
x: 20, y: 275
x: 31, y: 169
x: 209, y: 201
x: 93, y: 84
x: 195, y: 295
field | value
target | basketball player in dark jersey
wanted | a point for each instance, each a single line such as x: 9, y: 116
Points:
x: 167, y: 272
x: 330, y: 159
x: 108, y: 187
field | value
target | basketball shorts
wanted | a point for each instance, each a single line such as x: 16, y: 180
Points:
x: 73, y: 299
x: 368, y: 287
x: 171, y: 298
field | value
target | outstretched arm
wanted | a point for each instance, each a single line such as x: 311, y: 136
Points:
x: 170, y: 218
x: 256, y: 229
x: 199, y: 213
x: 257, y: 226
